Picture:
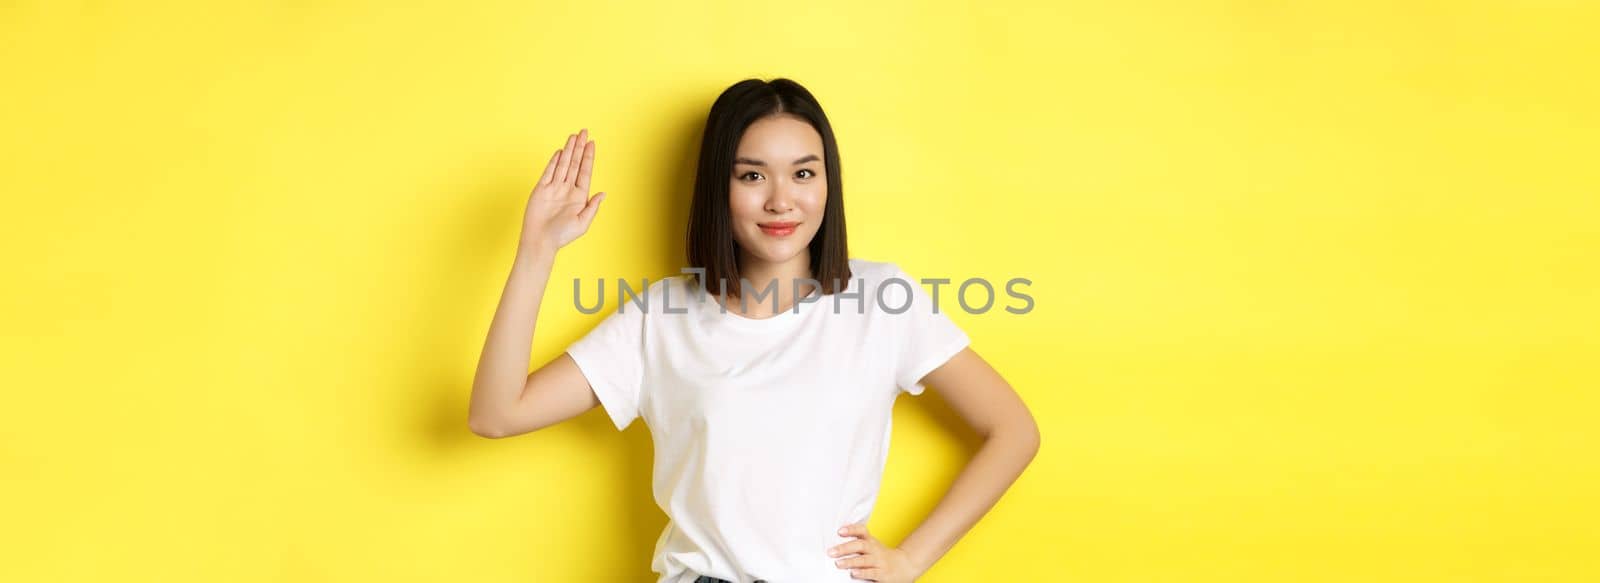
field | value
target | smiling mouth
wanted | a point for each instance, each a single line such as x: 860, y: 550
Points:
x: 778, y: 229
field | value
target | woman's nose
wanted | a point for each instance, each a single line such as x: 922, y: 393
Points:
x: 780, y: 201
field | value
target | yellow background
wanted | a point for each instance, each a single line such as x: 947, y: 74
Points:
x: 1316, y: 283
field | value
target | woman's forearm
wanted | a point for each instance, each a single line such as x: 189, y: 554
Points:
x: 503, y: 366
x: 992, y: 470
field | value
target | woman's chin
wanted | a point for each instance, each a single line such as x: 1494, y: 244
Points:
x: 776, y: 253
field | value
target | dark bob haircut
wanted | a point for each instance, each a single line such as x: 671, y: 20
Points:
x: 709, y: 242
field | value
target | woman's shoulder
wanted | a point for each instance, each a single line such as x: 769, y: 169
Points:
x: 889, y: 285
x: 881, y: 282
x: 872, y: 270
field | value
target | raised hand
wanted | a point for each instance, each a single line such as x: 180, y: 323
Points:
x: 560, y: 208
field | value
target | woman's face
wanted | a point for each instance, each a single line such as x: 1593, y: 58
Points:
x: 777, y: 182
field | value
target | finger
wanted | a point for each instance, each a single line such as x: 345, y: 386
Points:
x: 857, y: 562
x: 587, y: 214
x: 550, y: 169
x: 870, y: 573
x: 576, y: 156
x: 566, y: 157
x: 579, y: 146
x: 856, y: 529
x: 852, y: 547
x: 587, y: 167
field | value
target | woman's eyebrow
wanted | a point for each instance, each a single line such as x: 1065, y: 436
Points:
x: 754, y: 162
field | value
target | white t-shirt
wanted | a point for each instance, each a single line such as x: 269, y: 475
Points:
x: 771, y: 433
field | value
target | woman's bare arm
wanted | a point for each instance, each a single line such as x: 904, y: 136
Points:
x: 506, y: 399
x: 1010, y: 440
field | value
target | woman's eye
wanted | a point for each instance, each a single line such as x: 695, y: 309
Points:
x: 807, y: 171
x: 747, y: 175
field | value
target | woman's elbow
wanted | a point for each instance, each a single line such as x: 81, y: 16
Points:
x: 483, y: 427
x: 1030, y: 439
x: 1023, y: 435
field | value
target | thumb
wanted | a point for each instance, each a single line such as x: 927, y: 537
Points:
x: 589, y: 210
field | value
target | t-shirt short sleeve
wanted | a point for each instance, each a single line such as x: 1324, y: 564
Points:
x: 926, y: 340
x: 612, y: 359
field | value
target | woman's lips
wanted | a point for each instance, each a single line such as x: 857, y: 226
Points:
x: 778, y: 229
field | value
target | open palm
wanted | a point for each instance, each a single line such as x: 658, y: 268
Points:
x: 560, y: 208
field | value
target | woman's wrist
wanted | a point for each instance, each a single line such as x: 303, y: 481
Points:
x: 921, y: 561
x: 530, y: 251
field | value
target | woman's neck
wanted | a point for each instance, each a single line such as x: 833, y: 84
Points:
x: 769, y: 278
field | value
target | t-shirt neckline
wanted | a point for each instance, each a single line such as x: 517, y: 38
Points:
x: 783, y: 317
